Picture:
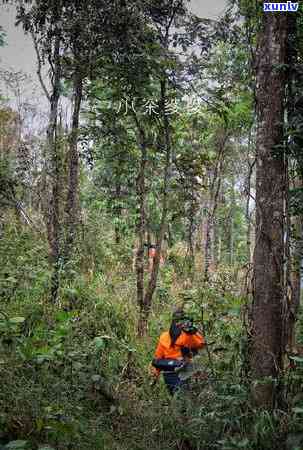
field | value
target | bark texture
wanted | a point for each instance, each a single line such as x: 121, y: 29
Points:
x: 267, y: 311
x: 71, y: 209
x: 53, y: 225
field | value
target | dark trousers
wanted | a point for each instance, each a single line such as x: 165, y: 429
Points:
x: 174, y: 383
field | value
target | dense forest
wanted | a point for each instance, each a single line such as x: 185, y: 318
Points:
x: 160, y: 180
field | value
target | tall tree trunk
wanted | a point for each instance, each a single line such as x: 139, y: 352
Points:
x: 214, y: 191
x: 142, y: 329
x: 147, y: 301
x: 53, y: 225
x: 267, y: 310
x: 190, y: 232
x: 208, y: 244
x: 232, y: 223
x: 71, y: 209
x: 52, y: 170
x: 141, y: 193
x: 118, y: 211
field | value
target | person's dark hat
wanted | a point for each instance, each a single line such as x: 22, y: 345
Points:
x: 179, y: 315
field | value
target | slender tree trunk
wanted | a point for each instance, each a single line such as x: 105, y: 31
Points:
x: 71, y: 209
x: 51, y: 174
x: 53, y: 224
x: 147, y: 301
x: 118, y: 211
x: 141, y: 231
x: 215, y: 187
x: 190, y: 233
x: 232, y: 224
x: 154, y: 274
x: 141, y: 193
x: 267, y: 311
x: 217, y: 247
x: 202, y: 231
x: 208, y: 244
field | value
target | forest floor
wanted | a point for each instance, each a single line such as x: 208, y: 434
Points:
x: 76, y: 376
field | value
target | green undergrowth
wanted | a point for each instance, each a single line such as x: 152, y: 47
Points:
x: 75, y: 376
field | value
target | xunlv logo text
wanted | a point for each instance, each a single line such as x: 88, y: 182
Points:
x: 289, y: 6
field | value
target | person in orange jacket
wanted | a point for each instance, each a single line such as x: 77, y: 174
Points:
x: 151, y: 257
x: 176, y: 347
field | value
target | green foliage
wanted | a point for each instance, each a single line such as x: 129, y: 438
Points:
x: 62, y: 367
x: 57, y: 356
x: 23, y: 269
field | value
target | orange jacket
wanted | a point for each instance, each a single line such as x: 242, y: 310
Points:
x: 152, y: 253
x: 166, y: 351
